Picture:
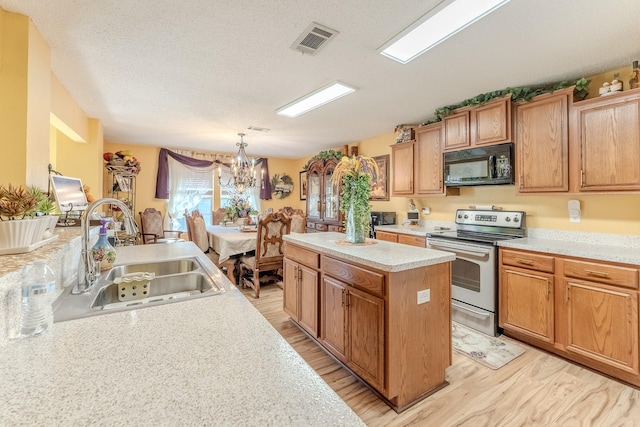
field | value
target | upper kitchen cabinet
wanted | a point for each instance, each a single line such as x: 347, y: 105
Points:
x: 456, y: 130
x: 323, y: 197
x: 417, y: 165
x: 487, y: 124
x: 542, y: 142
x: 606, y: 140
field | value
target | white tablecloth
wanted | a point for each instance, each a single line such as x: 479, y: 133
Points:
x: 229, y: 241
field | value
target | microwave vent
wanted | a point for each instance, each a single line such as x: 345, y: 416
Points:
x: 313, y: 38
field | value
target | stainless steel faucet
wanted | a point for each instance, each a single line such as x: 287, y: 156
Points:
x: 87, y: 280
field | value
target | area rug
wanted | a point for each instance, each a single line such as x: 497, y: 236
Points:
x: 492, y: 352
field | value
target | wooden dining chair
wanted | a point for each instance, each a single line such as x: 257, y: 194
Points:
x: 269, y: 254
x: 218, y: 215
x: 152, y: 228
x: 197, y: 230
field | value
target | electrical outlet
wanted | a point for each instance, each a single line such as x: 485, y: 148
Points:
x: 426, y: 210
x: 424, y: 296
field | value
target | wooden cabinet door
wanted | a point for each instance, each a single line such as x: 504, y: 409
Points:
x: 603, y: 324
x: 333, y: 317
x: 609, y: 136
x: 407, y: 239
x: 526, y: 303
x: 491, y: 122
x: 290, y: 288
x: 542, y: 143
x: 366, y: 336
x: 308, y: 299
x: 456, y: 131
x: 387, y: 236
x: 428, y: 168
x: 402, y: 169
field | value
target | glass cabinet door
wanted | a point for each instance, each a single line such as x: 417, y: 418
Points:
x: 331, y: 201
x: 313, y: 195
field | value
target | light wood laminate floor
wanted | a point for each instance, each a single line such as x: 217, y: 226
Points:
x: 536, y: 389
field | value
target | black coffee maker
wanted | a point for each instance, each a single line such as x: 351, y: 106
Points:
x: 381, y: 218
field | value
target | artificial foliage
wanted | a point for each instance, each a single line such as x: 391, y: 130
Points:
x: 355, y: 174
x: 324, y: 156
x: 518, y: 94
x: 238, y: 207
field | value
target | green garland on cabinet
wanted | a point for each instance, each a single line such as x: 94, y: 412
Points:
x: 325, y: 155
x: 518, y: 94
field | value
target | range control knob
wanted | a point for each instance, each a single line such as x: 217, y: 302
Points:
x: 466, y: 216
x: 516, y: 219
x: 459, y: 215
x: 508, y: 219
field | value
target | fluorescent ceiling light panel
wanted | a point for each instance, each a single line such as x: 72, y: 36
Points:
x: 315, y: 99
x: 436, y: 26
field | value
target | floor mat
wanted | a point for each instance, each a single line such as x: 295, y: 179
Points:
x: 492, y: 352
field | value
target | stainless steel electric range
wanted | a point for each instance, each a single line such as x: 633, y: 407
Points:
x: 475, y: 271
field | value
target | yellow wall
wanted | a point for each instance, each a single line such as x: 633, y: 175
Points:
x: 13, y: 102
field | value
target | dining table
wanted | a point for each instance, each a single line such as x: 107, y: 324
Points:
x: 230, y: 240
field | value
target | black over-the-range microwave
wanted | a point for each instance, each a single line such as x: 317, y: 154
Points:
x: 491, y: 165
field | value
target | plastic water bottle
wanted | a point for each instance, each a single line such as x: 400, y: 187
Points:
x: 38, y: 288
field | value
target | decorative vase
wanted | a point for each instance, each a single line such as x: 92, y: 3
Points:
x: 355, y: 224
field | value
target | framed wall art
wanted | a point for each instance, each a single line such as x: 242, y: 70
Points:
x: 303, y: 185
x: 380, y: 187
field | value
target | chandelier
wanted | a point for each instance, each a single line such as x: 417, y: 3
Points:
x: 243, y: 172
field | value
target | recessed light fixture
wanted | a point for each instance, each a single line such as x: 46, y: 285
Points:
x: 436, y: 26
x: 315, y: 99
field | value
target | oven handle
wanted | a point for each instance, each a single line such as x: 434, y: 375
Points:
x: 476, y: 313
x: 466, y: 250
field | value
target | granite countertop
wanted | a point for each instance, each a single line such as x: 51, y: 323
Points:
x: 416, y: 230
x: 385, y: 256
x: 207, y: 361
x: 592, y: 250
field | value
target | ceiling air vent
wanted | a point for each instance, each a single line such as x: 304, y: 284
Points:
x: 313, y: 38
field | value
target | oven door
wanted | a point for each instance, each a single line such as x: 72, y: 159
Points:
x: 473, y: 280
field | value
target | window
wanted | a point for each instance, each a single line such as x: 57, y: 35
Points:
x: 189, y: 188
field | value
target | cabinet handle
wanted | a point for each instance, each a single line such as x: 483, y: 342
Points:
x: 343, y: 302
x: 548, y: 289
x: 582, y: 178
x: 520, y: 181
x: 319, y: 206
x: 299, y: 274
x: 524, y: 261
x: 566, y: 293
x: 597, y: 273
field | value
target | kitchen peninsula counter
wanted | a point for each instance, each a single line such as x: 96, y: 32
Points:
x: 207, y: 361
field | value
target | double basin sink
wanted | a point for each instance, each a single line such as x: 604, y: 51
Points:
x: 174, y: 280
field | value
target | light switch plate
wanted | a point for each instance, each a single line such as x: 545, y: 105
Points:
x: 424, y: 296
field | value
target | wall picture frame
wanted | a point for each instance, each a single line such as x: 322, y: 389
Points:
x: 380, y: 186
x: 303, y: 185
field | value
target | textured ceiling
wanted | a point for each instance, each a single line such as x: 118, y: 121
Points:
x: 194, y: 73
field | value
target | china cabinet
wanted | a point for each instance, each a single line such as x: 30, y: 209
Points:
x: 323, y: 197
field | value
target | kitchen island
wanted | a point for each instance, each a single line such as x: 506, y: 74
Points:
x: 382, y: 309
x: 207, y: 361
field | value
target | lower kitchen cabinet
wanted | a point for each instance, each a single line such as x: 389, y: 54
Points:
x: 369, y: 320
x: 584, y: 310
x: 300, y: 296
x: 353, y: 329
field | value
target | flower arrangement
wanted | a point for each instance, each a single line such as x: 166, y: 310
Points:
x: 238, y: 207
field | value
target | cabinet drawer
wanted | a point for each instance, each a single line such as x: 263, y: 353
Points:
x: 527, y: 260
x: 301, y: 255
x: 336, y: 228
x: 412, y: 240
x: 354, y: 276
x: 602, y: 273
x: 321, y: 227
x: 386, y: 236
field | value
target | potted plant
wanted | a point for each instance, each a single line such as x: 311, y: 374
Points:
x: 355, y: 175
x: 24, y: 216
